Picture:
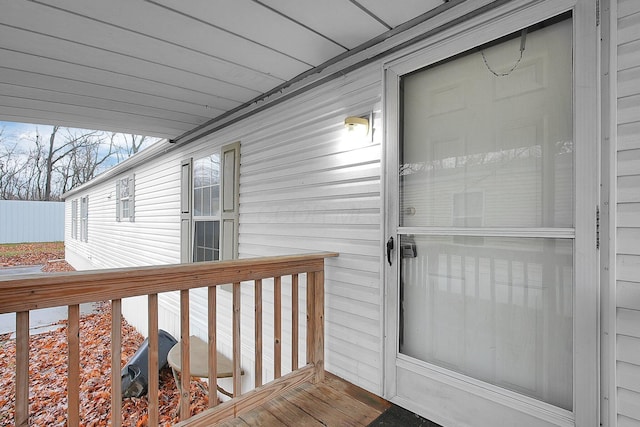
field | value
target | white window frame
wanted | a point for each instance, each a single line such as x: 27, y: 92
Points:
x: 125, y: 198
x: 512, y: 17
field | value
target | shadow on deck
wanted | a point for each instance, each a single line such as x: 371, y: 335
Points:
x: 333, y: 402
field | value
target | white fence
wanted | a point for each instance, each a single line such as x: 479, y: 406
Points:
x: 31, y: 221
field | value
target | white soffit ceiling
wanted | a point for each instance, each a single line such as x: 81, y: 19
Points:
x: 164, y: 67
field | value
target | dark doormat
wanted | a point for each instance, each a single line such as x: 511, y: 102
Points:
x: 397, y: 416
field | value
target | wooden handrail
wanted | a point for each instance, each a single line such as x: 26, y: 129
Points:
x: 31, y: 292
x: 71, y: 289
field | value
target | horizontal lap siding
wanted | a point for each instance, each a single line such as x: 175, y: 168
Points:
x: 628, y: 215
x: 153, y: 238
x: 305, y: 187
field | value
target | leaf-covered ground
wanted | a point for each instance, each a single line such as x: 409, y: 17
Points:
x: 48, y: 378
x: 50, y: 255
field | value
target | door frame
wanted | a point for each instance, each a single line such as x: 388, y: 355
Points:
x: 456, y: 39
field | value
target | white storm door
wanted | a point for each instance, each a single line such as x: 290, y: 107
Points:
x: 485, y: 266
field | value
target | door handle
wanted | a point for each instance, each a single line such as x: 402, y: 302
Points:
x: 390, y: 247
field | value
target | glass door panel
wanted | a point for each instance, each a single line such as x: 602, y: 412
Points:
x: 488, y: 146
x: 499, y: 310
x: 485, y: 151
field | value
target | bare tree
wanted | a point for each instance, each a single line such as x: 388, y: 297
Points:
x: 130, y: 144
x: 10, y: 169
x: 50, y: 166
x: 51, y: 161
x: 74, y: 144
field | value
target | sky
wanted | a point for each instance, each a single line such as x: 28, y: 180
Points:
x: 20, y: 132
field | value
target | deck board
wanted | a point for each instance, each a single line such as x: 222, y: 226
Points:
x: 344, y: 403
x: 260, y: 418
x: 290, y: 415
x: 327, y: 414
x: 333, y: 402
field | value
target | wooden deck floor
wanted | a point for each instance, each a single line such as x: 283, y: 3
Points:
x: 334, y: 402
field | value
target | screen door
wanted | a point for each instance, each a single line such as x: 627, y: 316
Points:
x: 483, y: 225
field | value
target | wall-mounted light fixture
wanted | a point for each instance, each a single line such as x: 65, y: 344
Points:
x: 353, y: 123
x: 358, y: 127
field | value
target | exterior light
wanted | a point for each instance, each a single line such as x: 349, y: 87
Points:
x: 358, y: 128
x: 357, y: 124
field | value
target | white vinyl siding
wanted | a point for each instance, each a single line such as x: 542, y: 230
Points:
x: 628, y: 215
x: 304, y: 187
x: 127, y: 244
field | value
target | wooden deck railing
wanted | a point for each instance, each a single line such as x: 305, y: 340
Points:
x: 73, y: 289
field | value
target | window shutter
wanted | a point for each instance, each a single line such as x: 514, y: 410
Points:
x: 185, y: 211
x: 132, y: 197
x: 118, y: 200
x: 74, y: 219
x: 84, y: 218
x: 230, y: 157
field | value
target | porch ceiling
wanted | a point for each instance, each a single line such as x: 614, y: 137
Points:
x: 164, y: 67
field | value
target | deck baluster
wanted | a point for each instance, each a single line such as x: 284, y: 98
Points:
x: 258, y: 331
x: 294, y: 322
x: 185, y: 359
x: 213, y: 353
x: 277, y: 327
x: 116, y: 361
x: 152, y: 302
x: 237, y: 380
x: 22, y: 368
x: 73, y: 370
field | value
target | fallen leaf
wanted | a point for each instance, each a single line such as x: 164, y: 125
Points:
x: 48, y: 378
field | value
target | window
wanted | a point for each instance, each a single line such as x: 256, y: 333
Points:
x: 206, y: 208
x: 206, y: 241
x: 74, y: 219
x: 209, y: 206
x: 125, y: 205
x: 84, y: 216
